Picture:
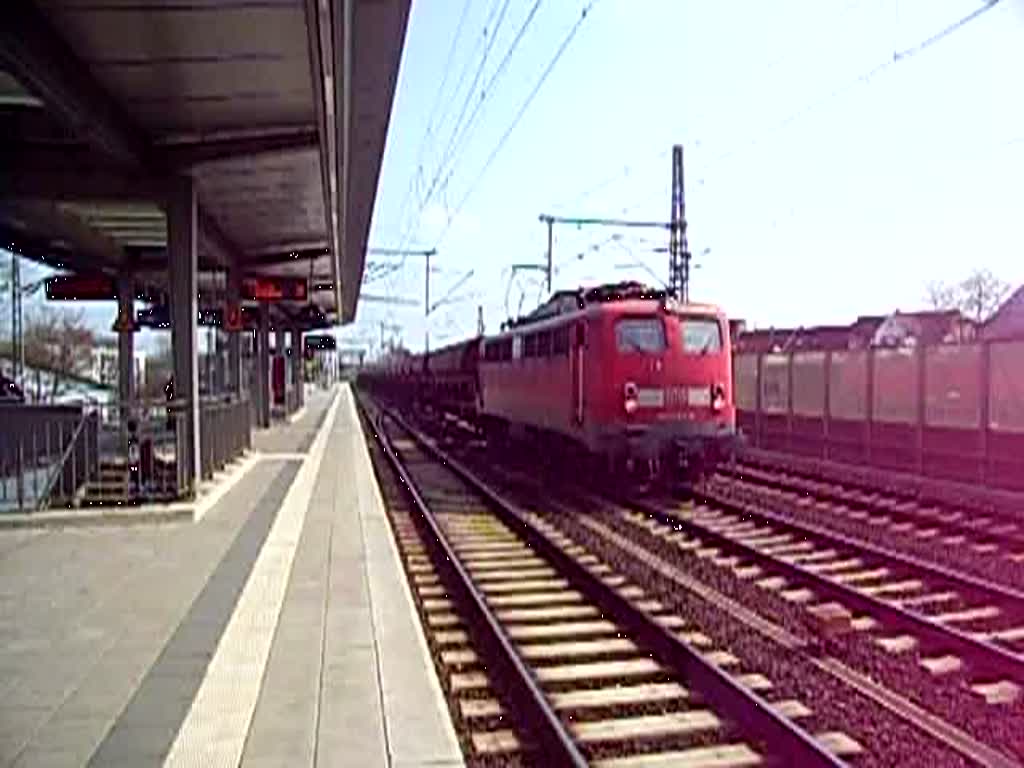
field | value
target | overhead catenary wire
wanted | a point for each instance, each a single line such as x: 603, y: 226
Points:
x: 488, y: 88
x: 867, y: 77
x: 447, y: 298
x: 457, y: 128
x: 408, y: 230
x: 651, y: 158
x: 518, y: 116
x: 450, y: 161
x: 466, y: 67
x: 428, y: 133
x: 489, y: 35
x: 606, y: 182
x: 946, y: 32
x: 897, y: 57
x: 862, y: 79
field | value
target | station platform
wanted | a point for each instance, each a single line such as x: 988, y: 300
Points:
x: 277, y: 630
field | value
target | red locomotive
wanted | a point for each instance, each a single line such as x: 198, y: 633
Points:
x: 623, y: 372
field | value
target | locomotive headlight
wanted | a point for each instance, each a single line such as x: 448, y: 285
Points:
x: 630, y: 391
x: 717, y: 398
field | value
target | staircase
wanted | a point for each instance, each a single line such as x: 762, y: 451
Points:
x: 111, y: 487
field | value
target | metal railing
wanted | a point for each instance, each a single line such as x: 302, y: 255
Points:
x: 147, y: 439
x: 225, y: 431
x: 112, y: 453
x: 64, y: 473
x: 48, y: 453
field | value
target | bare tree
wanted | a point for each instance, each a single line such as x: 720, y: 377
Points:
x: 978, y: 296
x: 58, y: 341
x: 941, y: 295
x: 981, y: 295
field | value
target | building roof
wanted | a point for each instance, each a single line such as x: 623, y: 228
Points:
x: 927, y: 327
x: 1008, y: 320
x: 795, y: 339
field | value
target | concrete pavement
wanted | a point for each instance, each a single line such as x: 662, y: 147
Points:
x: 277, y: 630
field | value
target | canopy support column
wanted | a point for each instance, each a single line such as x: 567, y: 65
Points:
x: 183, y: 257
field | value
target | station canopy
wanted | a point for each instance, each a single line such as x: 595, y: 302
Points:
x: 278, y: 109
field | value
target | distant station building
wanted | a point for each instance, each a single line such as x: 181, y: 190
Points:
x: 895, y: 330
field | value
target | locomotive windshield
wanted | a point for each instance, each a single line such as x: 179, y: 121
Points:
x: 701, y: 334
x: 640, y: 334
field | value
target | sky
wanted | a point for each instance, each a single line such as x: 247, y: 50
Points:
x: 825, y: 175
x: 825, y: 178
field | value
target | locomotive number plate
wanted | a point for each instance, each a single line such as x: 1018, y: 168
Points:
x: 677, y: 397
x: 699, y: 396
x: 693, y: 397
x: 650, y: 398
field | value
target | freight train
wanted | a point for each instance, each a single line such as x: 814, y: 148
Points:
x: 620, y: 374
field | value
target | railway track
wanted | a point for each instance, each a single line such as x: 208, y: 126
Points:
x: 991, y: 533
x: 914, y: 705
x: 964, y: 495
x: 550, y: 656
x: 882, y: 707
x: 956, y: 622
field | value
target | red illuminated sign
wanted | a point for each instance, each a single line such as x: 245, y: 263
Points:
x: 275, y: 288
x: 233, y: 317
x: 81, y: 288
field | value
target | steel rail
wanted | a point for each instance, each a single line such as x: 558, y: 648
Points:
x: 512, y: 674
x: 902, y: 484
x: 976, y: 752
x: 991, y: 589
x: 785, y: 739
x: 986, y: 657
x: 885, y: 503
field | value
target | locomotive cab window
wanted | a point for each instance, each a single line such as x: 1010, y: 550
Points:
x: 640, y: 334
x: 701, y: 335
